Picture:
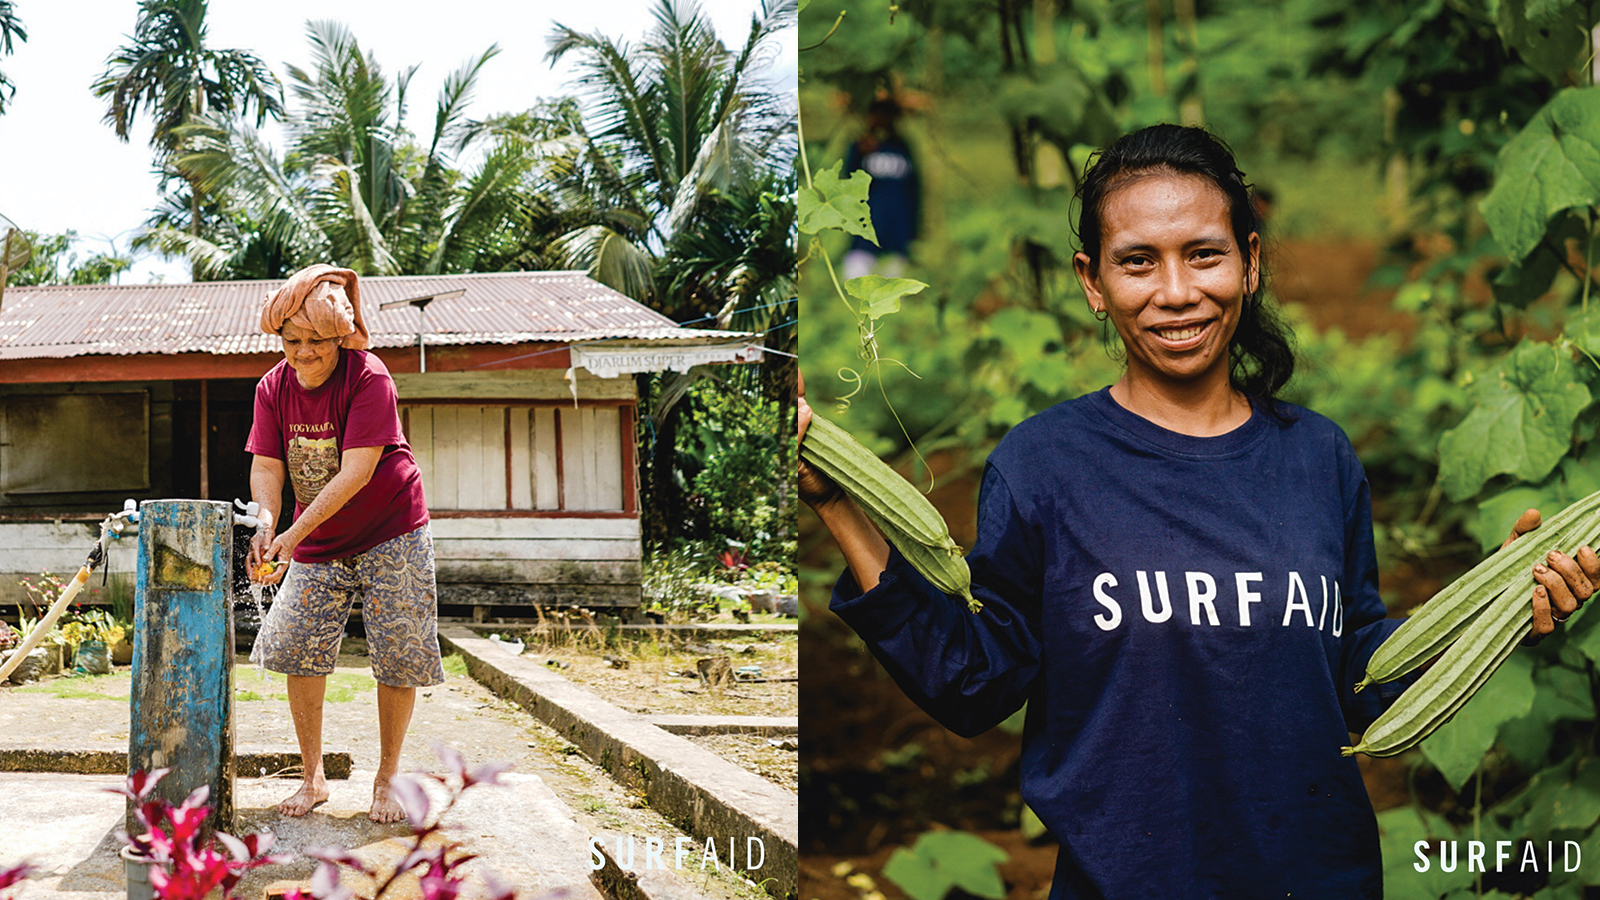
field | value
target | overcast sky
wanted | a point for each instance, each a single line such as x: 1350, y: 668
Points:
x: 61, y: 167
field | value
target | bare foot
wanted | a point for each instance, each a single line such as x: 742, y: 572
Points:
x: 311, y: 794
x: 384, y: 807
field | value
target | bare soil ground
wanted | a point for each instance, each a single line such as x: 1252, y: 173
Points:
x: 661, y: 677
x: 657, y: 675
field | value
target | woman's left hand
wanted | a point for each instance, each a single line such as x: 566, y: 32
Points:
x: 1562, y: 582
x: 281, y: 549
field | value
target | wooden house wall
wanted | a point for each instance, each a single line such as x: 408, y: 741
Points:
x: 553, y: 521
x: 532, y: 497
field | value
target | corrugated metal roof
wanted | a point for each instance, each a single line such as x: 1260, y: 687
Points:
x: 224, y: 317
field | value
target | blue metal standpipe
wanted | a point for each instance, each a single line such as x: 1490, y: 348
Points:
x: 182, y: 699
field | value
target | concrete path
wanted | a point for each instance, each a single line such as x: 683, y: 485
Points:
x: 66, y: 824
x: 534, y: 832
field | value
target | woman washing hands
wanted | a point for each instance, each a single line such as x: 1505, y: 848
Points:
x: 1177, y: 574
x: 326, y: 420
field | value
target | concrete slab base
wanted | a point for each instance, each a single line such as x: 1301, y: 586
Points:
x: 115, y: 762
x: 66, y: 825
x: 766, y: 726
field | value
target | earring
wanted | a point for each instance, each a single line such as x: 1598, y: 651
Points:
x: 1101, y: 315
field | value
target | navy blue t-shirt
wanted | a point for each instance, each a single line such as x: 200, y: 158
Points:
x: 1186, y: 618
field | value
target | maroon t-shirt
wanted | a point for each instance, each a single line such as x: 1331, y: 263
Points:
x: 308, y: 430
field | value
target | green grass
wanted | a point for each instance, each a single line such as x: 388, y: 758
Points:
x: 83, y: 687
x: 455, y: 664
x: 250, y: 683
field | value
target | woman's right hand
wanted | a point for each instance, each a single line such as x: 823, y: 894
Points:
x: 260, y: 546
x: 864, y: 548
x: 816, y: 489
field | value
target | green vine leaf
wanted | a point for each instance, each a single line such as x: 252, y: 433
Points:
x: 1526, y: 280
x: 880, y: 296
x: 1570, y: 800
x: 1571, y: 481
x: 1552, y: 165
x: 1520, y: 424
x: 941, y: 860
x: 834, y: 202
x: 1400, y: 829
x: 1549, y: 35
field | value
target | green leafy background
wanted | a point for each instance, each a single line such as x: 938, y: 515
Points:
x: 1456, y: 141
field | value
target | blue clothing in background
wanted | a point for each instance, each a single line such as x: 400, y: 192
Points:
x: 1186, y: 618
x: 893, y: 196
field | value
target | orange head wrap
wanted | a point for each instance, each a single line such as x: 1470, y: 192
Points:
x: 322, y: 300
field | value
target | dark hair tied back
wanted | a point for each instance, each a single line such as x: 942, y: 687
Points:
x: 1261, y: 358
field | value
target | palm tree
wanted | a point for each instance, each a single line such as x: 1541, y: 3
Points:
x: 169, y: 72
x: 673, y: 121
x: 10, y: 30
x: 355, y: 186
x: 677, y: 175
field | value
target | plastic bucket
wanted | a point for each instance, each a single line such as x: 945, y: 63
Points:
x: 93, y: 658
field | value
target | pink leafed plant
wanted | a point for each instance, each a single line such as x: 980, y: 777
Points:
x: 15, y: 875
x: 184, y: 865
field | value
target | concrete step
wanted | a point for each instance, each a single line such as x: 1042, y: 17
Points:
x: 766, y: 726
x: 702, y: 793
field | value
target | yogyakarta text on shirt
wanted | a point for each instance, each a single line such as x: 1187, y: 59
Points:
x: 1203, y: 596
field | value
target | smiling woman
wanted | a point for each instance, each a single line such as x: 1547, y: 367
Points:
x: 1177, y: 573
x: 333, y: 432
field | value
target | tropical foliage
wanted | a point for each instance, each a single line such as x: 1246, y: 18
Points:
x: 55, y: 262
x: 11, y: 31
x: 170, y: 74
x: 1458, y: 136
x: 353, y: 185
x: 668, y: 176
x: 682, y: 183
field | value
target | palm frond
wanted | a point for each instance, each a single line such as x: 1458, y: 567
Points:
x: 449, y: 130
x: 209, y: 260
x: 487, y: 204
x: 363, y: 246
x: 623, y: 105
x: 228, y: 157
x: 167, y: 71
x: 609, y: 258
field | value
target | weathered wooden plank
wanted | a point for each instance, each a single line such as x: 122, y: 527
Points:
x: 592, y: 529
x: 577, y: 457
x: 591, y: 596
x: 446, y: 450
x: 469, y: 457
x: 521, y: 459
x: 538, y: 571
x: 491, y: 474
x: 420, y: 421
x: 45, y: 535
x: 547, y: 492
x: 536, y: 548
x: 524, y: 384
x: 608, y: 459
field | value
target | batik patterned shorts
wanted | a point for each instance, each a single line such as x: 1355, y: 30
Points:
x: 399, y: 608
